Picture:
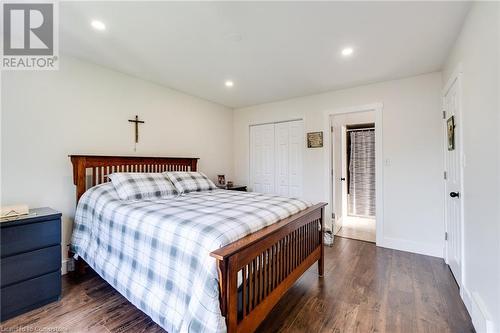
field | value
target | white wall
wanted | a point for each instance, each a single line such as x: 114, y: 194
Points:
x: 412, y: 186
x: 477, y: 49
x: 83, y: 108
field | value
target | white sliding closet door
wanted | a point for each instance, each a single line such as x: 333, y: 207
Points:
x: 262, y: 158
x: 282, y: 156
x: 287, y: 143
x: 297, y: 144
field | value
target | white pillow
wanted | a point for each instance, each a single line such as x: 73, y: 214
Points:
x: 137, y: 185
x: 186, y: 182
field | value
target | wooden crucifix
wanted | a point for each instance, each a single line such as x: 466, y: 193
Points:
x: 137, y: 122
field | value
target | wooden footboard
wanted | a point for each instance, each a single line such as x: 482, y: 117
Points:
x: 255, y: 271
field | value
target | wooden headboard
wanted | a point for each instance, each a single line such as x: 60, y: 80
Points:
x: 90, y: 170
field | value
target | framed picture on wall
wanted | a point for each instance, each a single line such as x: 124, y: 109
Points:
x: 450, y: 125
x: 315, y: 140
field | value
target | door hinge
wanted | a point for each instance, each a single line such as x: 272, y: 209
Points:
x: 331, y: 129
x: 331, y: 172
x: 333, y: 216
x: 445, y: 236
x: 445, y: 175
x: 444, y: 114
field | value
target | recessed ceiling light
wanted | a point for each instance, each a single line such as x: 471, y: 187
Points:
x: 98, y: 25
x: 347, y: 51
x: 229, y: 83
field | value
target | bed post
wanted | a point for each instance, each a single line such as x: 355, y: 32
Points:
x: 193, y: 164
x: 79, y: 268
x: 321, y: 261
x: 232, y: 296
x: 79, y: 175
x: 222, y: 267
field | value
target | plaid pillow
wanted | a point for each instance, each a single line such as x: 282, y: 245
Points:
x: 135, y: 185
x: 186, y: 182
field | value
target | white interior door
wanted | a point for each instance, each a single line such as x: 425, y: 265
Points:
x: 453, y: 200
x: 262, y: 164
x: 276, y: 158
x: 337, y: 176
x: 344, y: 170
x: 282, y: 135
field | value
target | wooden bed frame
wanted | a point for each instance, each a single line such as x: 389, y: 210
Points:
x: 268, y: 261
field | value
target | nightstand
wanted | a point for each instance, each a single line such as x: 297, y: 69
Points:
x: 242, y: 188
x: 30, y: 261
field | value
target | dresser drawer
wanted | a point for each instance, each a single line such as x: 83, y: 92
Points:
x: 30, y: 236
x: 30, y: 264
x: 30, y: 294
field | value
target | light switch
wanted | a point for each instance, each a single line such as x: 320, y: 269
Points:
x: 387, y: 162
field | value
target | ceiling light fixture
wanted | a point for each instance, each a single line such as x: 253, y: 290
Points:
x: 98, y: 25
x: 229, y: 83
x: 347, y: 51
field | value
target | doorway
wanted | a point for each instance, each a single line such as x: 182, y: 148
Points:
x: 353, y: 181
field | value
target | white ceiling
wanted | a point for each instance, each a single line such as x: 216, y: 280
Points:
x: 271, y: 50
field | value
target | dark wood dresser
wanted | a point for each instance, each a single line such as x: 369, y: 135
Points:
x: 30, y: 251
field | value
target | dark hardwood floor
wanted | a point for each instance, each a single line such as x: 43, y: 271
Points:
x: 365, y: 289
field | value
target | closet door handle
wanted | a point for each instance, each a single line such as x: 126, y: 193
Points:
x: 342, y: 179
x: 455, y: 194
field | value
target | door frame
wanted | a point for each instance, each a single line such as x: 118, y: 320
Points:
x: 379, y: 172
x: 334, y: 173
x: 456, y: 77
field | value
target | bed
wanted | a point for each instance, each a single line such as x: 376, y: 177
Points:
x: 200, y: 262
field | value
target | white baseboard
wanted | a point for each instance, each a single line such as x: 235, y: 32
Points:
x: 411, y: 246
x: 464, y: 293
x: 481, y: 319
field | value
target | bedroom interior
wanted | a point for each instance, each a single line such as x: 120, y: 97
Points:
x: 214, y: 166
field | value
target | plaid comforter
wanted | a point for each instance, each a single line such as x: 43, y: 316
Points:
x: 156, y: 252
